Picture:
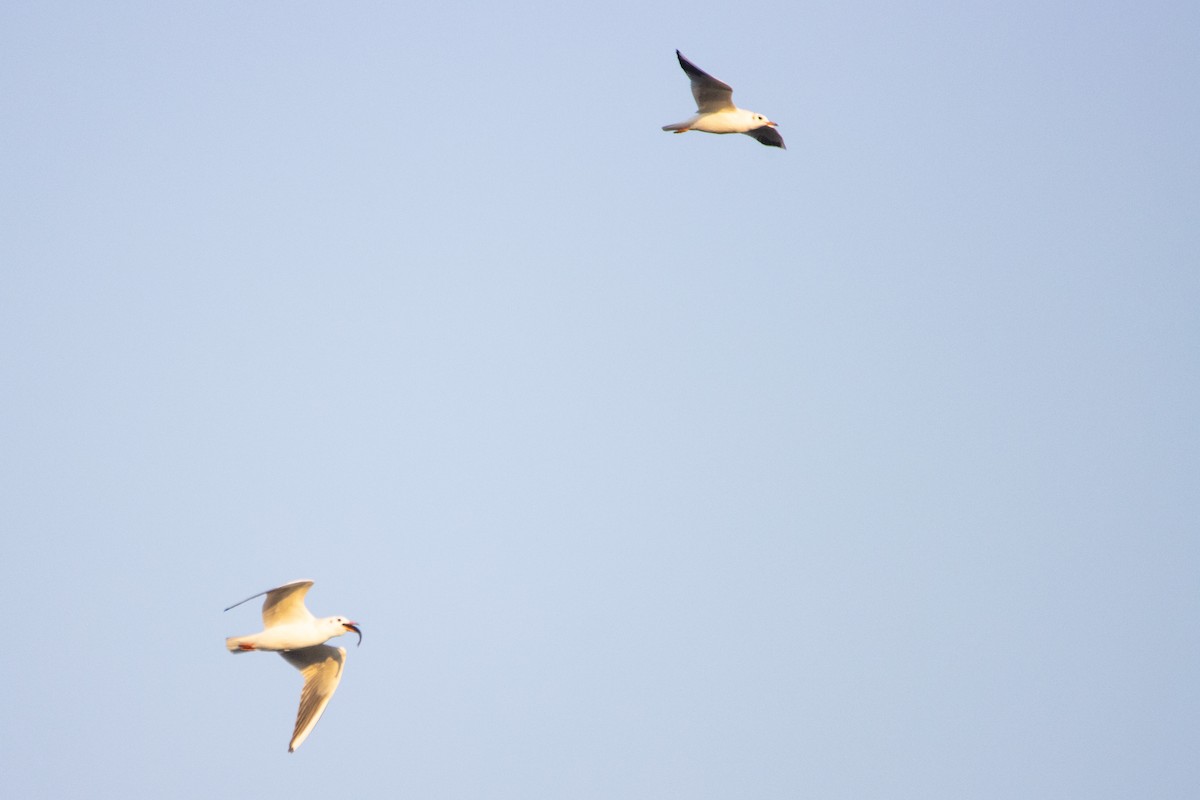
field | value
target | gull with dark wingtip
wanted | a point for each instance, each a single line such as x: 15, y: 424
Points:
x: 292, y: 631
x: 716, y: 113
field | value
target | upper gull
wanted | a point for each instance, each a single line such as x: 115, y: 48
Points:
x: 716, y: 113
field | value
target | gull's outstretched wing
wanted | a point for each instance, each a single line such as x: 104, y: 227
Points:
x: 711, y: 94
x: 284, y: 604
x: 768, y: 136
x: 321, y: 667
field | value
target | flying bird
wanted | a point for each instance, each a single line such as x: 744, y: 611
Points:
x: 292, y: 631
x: 716, y: 113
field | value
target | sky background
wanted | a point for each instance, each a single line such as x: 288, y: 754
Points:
x: 652, y: 466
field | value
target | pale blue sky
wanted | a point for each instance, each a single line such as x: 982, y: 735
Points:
x: 652, y: 466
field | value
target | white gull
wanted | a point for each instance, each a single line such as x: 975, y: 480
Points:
x: 292, y: 631
x: 716, y: 113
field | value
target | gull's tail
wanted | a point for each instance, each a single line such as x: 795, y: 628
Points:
x: 678, y: 127
x: 239, y: 644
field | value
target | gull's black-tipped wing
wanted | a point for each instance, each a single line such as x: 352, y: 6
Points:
x: 711, y: 94
x: 284, y: 604
x: 768, y: 136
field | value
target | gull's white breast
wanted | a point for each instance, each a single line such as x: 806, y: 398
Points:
x: 291, y: 637
x: 735, y: 120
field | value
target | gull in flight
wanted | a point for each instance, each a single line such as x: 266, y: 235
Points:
x: 716, y: 113
x: 292, y: 631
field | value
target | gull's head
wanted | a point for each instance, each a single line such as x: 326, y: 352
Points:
x: 761, y: 120
x: 342, y: 625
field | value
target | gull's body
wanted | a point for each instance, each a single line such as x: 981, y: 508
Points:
x: 292, y: 631
x: 716, y: 113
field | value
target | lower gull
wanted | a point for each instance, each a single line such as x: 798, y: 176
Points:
x: 292, y: 631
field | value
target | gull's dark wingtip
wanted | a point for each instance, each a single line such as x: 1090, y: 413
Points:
x: 688, y: 67
x: 769, y: 136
